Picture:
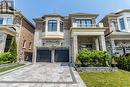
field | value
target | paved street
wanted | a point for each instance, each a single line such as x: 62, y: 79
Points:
x: 43, y: 75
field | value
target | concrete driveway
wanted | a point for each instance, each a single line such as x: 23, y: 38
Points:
x: 43, y: 75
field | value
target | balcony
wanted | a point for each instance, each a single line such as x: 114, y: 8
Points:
x: 75, y: 25
x: 88, y: 28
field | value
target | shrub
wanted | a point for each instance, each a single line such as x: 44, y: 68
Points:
x: 123, y: 62
x: 94, y: 58
x: 11, y: 55
x: 6, y: 57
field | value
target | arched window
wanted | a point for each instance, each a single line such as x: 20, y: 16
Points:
x: 30, y: 45
x: 24, y: 44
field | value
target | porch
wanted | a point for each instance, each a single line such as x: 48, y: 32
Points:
x: 87, y: 40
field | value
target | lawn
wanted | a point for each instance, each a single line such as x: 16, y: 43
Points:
x: 10, y: 67
x: 110, y: 79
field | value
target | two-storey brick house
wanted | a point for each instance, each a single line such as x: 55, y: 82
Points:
x: 14, y: 24
x: 58, y: 38
x: 118, y: 33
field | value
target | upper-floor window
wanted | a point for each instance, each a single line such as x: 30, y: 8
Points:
x: 9, y: 21
x: 122, y: 23
x: 44, y: 25
x: 61, y: 26
x: 113, y: 25
x: 128, y: 21
x: 1, y: 20
x: 83, y: 22
x: 52, y: 25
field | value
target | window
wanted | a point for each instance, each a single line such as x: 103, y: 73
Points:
x: 24, y: 44
x: 88, y: 46
x: 128, y: 21
x: 9, y: 21
x: 61, y: 26
x: 122, y: 24
x: 30, y: 45
x: 113, y: 25
x: 1, y: 20
x: 52, y: 25
x: 44, y: 24
x: 83, y: 22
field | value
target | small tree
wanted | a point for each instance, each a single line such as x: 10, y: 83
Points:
x: 13, y: 49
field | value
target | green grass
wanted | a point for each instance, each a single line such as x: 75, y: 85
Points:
x: 110, y: 79
x: 10, y: 67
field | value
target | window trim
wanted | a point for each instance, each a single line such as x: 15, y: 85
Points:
x: 128, y: 19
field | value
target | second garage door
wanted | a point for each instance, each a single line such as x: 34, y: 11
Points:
x: 62, y: 55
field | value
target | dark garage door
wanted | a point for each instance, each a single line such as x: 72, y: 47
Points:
x: 61, y: 55
x: 43, y: 55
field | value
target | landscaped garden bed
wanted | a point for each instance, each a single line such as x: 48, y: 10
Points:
x: 3, y: 69
x: 94, y: 61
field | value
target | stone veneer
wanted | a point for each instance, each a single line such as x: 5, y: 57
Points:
x: 97, y: 69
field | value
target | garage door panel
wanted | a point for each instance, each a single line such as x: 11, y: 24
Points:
x: 43, y: 55
x: 61, y: 55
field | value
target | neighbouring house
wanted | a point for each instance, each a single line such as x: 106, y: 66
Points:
x: 14, y: 24
x: 59, y: 38
x: 118, y: 33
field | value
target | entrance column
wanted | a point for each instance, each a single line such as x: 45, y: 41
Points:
x: 102, y: 43
x: 34, y: 55
x: 97, y: 44
x: 75, y: 47
x: 52, y: 55
x: 113, y: 46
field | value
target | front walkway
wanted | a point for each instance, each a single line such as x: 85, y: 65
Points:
x: 43, y: 75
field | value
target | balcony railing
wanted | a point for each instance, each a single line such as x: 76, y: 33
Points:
x: 120, y: 50
x: 75, y: 25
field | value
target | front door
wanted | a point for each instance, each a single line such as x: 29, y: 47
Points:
x: 87, y: 46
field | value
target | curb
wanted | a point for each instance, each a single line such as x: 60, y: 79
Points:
x: 8, y: 71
